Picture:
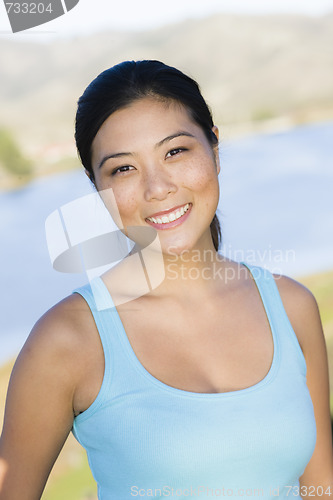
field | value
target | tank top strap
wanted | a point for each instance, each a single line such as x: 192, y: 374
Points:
x: 285, y: 339
x: 119, y: 375
x: 103, y: 311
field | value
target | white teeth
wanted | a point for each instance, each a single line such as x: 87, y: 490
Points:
x: 171, y: 217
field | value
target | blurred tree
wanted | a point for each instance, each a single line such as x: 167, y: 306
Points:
x: 11, y: 157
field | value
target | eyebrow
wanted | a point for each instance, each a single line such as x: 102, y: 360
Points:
x: 173, y: 136
x: 158, y: 145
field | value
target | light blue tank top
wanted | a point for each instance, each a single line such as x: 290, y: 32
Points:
x: 145, y: 439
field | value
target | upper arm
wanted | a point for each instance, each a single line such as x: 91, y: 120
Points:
x: 303, y: 312
x: 39, y: 407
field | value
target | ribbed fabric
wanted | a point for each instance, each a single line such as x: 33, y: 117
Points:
x: 146, y: 439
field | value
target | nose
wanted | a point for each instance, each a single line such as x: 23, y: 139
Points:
x: 158, y: 185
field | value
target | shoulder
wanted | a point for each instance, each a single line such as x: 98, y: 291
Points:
x: 59, y: 341
x: 295, y: 293
x: 302, y: 310
x: 64, y: 324
x: 41, y: 397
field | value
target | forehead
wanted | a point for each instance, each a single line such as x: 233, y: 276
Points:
x: 147, y: 120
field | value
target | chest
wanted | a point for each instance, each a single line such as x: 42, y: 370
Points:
x: 209, y: 348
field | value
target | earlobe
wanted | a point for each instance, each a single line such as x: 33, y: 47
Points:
x: 217, y: 162
x: 215, y: 131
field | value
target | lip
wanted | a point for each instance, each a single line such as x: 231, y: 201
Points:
x: 172, y: 224
x: 165, y: 212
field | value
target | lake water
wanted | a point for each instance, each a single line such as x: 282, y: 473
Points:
x: 276, y: 210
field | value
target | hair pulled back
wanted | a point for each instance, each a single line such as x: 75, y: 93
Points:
x: 124, y: 83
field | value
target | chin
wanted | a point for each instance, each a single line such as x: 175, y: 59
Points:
x: 186, y: 241
x: 177, y: 248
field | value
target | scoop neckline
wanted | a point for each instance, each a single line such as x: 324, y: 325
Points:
x: 200, y: 395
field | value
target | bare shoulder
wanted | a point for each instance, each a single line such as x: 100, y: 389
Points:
x: 295, y: 293
x: 60, y: 341
x: 41, y: 397
x: 62, y: 326
x: 302, y: 310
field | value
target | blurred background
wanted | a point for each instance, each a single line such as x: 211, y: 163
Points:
x: 266, y: 70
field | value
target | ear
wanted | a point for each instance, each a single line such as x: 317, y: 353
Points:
x: 216, y: 149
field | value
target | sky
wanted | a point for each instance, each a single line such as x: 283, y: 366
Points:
x: 91, y: 16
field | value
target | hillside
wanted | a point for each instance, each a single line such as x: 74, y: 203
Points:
x: 250, y: 68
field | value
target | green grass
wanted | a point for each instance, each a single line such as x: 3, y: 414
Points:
x: 74, y: 484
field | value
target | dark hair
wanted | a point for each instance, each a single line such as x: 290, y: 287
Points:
x: 119, y: 86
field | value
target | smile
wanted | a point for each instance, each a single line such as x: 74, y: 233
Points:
x: 170, y: 219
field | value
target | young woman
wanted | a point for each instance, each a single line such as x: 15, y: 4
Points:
x: 214, y: 382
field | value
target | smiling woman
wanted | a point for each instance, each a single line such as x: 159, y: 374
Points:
x: 103, y: 114
x: 213, y: 379
x: 162, y: 172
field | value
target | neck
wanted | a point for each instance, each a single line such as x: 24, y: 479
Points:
x: 194, y: 270
x: 199, y: 271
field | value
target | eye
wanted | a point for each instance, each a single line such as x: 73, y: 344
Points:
x: 123, y: 169
x: 175, y: 152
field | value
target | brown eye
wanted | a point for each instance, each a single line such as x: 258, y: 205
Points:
x: 175, y: 151
x: 124, y: 168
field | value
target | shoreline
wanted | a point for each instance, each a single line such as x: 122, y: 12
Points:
x: 230, y: 132
x: 278, y: 124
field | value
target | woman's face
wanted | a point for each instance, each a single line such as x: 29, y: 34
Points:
x: 162, y: 170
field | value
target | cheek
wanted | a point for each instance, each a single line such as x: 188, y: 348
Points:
x: 201, y: 176
x: 120, y: 201
x: 127, y: 204
x: 202, y: 180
